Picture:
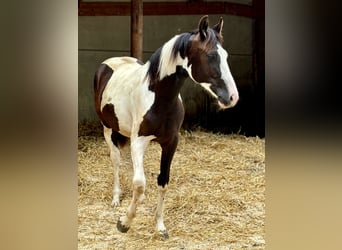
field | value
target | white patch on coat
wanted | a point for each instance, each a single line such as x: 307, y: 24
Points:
x: 227, y: 77
x: 188, y: 68
x: 206, y: 86
x: 180, y: 98
x: 128, y: 91
x: 167, y: 66
x: 159, y: 216
x: 115, y: 158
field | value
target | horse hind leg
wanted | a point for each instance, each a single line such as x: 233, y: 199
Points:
x: 113, y: 141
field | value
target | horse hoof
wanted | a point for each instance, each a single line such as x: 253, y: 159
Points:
x: 164, y: 234
x: 121, y: 227
x: 115, y: 203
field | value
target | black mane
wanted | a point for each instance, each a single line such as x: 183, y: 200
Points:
x: 152, y: 71
x: 181, y: 46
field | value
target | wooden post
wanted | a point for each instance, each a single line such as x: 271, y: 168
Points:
x: 137, y: 28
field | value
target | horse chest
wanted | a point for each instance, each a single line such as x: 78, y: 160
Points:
x: 162, y: 120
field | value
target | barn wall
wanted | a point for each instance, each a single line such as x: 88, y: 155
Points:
x: 101, y: 37
x: 247, y: 2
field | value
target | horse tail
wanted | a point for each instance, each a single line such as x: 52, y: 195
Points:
x: 101, y: 78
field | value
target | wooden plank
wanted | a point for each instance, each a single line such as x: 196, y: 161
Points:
x: 137, y: 29
x: 165, y: 8
x: 104, y: 9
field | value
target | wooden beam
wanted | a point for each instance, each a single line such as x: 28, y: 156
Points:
x: 137, y: 29
x: 165, y: 8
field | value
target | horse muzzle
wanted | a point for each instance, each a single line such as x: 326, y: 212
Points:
x: 225, y: 102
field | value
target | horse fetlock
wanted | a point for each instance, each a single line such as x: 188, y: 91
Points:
x: 160, y: 223
x: 161, y: 227
x: 116, y: 197
x: 141, y: 198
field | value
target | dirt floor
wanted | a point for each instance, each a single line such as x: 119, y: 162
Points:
x: 215, y: 199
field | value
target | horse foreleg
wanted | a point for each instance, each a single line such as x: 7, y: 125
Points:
x: 168, y: 151
x: 138, y: 146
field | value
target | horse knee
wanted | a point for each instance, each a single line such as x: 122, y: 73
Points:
x: 139, y: 180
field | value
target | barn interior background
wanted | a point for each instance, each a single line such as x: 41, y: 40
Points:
x: 216, y: 197
x: 105, y: 28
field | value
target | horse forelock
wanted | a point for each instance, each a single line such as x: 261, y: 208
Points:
x: 211, y: 40
x: 184, y: 42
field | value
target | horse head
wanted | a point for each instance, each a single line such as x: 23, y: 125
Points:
x: 207, y: 63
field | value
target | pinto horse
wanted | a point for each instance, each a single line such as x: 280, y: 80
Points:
x: 142, y: 102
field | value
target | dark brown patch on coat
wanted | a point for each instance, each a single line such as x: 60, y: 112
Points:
x: 107, y: 114
x: 118, y: 139
x: 165, y: 116
x: 102, y: 76
x: 109, y: 118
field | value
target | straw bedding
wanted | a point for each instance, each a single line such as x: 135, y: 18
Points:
x: 215, y: 199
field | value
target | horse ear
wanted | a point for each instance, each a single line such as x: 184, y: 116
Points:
x: 203, y: 27
x: 218, y: 27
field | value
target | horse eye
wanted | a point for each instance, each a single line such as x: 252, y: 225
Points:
x: 212, y: 56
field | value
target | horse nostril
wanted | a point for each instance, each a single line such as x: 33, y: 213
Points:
x: 234, y: 98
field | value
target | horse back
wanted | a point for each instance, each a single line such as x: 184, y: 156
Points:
x: 104, y: 74
x: 117, y: 62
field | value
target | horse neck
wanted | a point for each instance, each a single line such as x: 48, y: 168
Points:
x: 169, y: 87
x: 167, y: 70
